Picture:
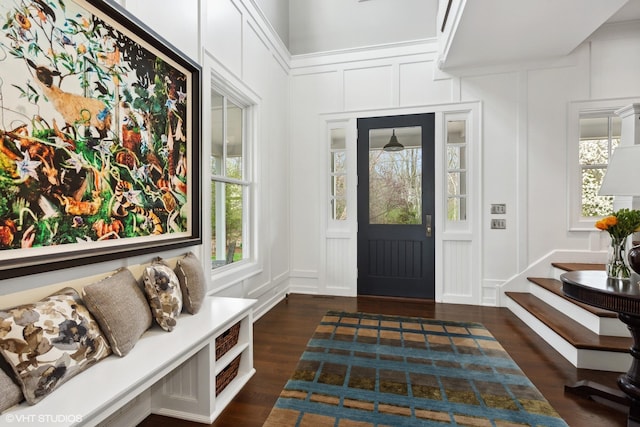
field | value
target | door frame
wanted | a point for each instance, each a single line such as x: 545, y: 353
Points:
x: 338, y: 239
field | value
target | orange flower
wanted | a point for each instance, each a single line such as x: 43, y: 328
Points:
x: 606, y: 222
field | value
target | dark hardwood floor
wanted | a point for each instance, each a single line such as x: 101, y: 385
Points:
x: 280, y: 337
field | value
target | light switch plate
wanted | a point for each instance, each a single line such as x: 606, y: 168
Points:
x: 498, y: 224
x: 499, y: 208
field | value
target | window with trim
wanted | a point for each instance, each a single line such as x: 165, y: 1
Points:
x: 229, y: 181
x: 599, y: 137
x: 594, y: 131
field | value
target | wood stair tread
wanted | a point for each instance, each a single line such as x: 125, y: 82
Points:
x: 577, y: 266
x: 555, y: 286
x: 577, y: 335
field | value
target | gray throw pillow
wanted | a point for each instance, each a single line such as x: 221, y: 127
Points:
x: 121, y: 309
x: 10, y: 392
x: 192, y: 282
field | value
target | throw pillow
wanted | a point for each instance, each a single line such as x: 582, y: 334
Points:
x: 49, y: 342
x: 121, y: 308
x: 10, y: 392
x: 192, y: 283
x: 164, y: 294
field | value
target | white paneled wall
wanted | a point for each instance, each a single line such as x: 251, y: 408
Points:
x: 520, y: 113
x: 522, y: 140
x: 180, y: 29
x: 358, y: 85
x: 418, y: 83
x: 223, y: 34
x: 346, y: 86
x: 235, y: 46
x: 240, y: 53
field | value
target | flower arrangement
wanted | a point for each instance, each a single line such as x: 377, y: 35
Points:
x: 619, y: 225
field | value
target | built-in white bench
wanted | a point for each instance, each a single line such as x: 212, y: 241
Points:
x: 169, y: 373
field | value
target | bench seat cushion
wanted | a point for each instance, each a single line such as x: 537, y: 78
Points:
x: 121, y: 308
x: 50, y: 341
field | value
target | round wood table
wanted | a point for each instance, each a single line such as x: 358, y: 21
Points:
x: 620, y: 296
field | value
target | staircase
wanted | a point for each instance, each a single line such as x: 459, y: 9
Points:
x: 588, y: 337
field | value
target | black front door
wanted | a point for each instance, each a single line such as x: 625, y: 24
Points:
x: 396, y: 243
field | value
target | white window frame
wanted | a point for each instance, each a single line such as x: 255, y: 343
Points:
x: 461, y: 225
x: 333, y: 199
x: 249, y: 194
x: 577, y: 110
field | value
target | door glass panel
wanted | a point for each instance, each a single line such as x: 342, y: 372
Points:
x: 395, y: 177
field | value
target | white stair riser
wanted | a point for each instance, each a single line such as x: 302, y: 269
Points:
x: 611, y: 326
x: 583, y: 359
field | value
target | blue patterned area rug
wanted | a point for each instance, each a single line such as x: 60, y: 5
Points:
x: 376, y: 370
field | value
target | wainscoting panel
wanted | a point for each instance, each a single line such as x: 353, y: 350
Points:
x: 183, y: 383
x: 341, y: 274
x: 457, y: 277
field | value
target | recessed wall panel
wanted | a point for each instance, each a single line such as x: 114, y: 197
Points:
x: 418, y: 87
x: 255, y: 53
x: 179, y: 29
x: 366, y: 88
x: 223, y: 34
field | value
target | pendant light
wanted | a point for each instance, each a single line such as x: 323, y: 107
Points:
x: 393, y: 144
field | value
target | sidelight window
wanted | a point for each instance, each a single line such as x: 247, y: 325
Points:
x: 338, y: 174
x: 456, y: 152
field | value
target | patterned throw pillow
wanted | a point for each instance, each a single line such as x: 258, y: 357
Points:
x: 120, y: 306
x: 49, y: 342
x: 164, y: 294
x: 192, y: 283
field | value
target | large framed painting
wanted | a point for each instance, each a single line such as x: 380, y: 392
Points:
x: 100, y: 137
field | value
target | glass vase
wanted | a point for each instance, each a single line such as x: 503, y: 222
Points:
x: 617, y: 267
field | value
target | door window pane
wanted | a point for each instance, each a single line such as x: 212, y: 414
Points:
x: 395, y: 177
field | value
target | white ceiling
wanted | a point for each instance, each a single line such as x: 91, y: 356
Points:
x: 628, y: 12
x: 507, y: 31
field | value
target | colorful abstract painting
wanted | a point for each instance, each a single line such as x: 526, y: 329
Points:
x: 97, y: 132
